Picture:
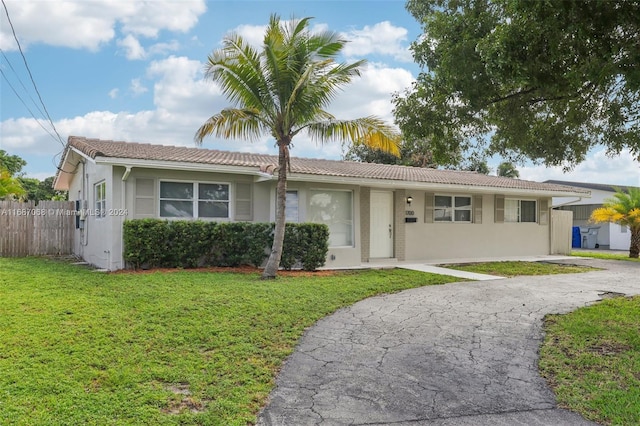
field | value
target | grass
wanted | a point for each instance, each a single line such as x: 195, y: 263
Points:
x: 606, y: 256
x: 181, y: 348
x: 591, y: 358
x: 516, y: 268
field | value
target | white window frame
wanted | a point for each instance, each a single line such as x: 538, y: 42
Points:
x: 195, y: 200
x: 518, y: 215
x: 453, y: 208
x: 100, y: 197
x: 352, y: 221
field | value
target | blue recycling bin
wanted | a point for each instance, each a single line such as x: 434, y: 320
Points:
x: 576, y: 241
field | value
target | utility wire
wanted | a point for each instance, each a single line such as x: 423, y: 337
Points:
x: 21, y: 84
x: 24, y: 59
x: 25, y: 105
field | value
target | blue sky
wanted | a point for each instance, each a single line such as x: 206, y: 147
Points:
x: 132, y: 70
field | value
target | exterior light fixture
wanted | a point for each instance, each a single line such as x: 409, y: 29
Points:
x: 409, y: 199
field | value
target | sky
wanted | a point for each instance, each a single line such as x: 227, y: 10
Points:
x: 132, y: 70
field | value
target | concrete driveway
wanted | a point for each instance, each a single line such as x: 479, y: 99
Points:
x: 456, y: 354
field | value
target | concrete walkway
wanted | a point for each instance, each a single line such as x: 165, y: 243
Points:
x: 455, y: 354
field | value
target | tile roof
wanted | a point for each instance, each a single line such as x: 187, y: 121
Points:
x: 348, y: 169
x: 596, y: 186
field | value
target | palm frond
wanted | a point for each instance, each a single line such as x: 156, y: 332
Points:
x: 237, y: 69
x: 232, y: 124
x: 370, y: 131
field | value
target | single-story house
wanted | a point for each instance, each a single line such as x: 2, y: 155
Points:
x: 610, y: 235
x: 373, y: 211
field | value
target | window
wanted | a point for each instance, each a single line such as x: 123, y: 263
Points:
x: 519, y: 210
x: 335, y: 209
x: 291, y: 210
x: 187, y: 199
x: 100, y: 195
x: 450, y: 208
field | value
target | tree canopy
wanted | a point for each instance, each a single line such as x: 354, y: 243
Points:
x: 412, y: 153
x: 544, y: 80
x: 507, y: 169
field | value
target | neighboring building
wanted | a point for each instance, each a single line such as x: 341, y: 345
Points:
x: 610, y: 235
x: 373, y: 211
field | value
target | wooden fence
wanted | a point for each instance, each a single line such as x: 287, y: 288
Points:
x: 27, y: 229
x: 561, y: 227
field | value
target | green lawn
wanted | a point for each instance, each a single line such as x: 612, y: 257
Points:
x: 80, y: 347
x: 591, y: 358
x: 603, y: 255
x: 515, y: 268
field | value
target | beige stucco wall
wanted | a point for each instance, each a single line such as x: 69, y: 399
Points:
x: 440, y: 241
x: 100, y: 242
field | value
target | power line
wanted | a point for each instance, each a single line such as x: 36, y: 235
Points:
x: 24, y: 59
x: 25, y: 105
x: 21, y: 84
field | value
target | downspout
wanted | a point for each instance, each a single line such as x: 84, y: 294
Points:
x: 84, y: 235
x: 123, y: 208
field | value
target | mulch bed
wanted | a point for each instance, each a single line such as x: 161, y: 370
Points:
x: 236, y: 269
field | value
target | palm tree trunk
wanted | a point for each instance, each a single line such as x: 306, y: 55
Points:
x: 271, y: 269
x: 634, y: 248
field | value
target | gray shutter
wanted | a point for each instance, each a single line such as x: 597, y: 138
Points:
x: 145, y: 199
x: 243, y: 202
x: 543, y: 211
x: 428, y: 207
x: 477, y: 209
x: 499, y: 207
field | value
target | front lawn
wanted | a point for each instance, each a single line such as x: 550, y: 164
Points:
x: 184, y: 347
x: 591, y: 359
x: 604, y: 255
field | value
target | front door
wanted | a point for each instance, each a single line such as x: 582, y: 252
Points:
x: 381, y: 231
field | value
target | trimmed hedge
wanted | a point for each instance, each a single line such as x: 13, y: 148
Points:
x: 156, y: 243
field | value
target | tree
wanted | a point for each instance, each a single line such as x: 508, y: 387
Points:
x: 12, y: 163
x: 478, y: 166
x: 283, y: 90
x: 37, y: 190
x: 508, y: 169
x: 623, y: 209
x: 545, y: 80
x: 412, y: 153
x: 10, y: 166
x: 9, y: 186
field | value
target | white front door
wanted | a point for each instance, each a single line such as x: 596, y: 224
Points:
x: 381, y: 231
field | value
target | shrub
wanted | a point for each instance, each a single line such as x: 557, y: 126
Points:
x: 153, y: 243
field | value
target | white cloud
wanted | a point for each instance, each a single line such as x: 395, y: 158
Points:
x: 182, y: 103
x: 132, y: 48
x: 382, y: 38
x: 252, y: 34
x: 82, y: 24
x: 597, y: 168
x: 113, y: 93
x: 137, y: 88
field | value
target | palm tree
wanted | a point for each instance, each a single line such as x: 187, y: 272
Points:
x: 623, y: 209
x: 282, y: 90
x: 508, y: 169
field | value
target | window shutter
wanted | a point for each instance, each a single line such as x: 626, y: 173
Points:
x: 428, y: 207
x: 499, y: 207
x: 243, y: 202
x: 543, y: 214
x: 145, y: 203
x: 477, y: 209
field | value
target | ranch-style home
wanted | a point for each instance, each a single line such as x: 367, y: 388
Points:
x: 374, y: 212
